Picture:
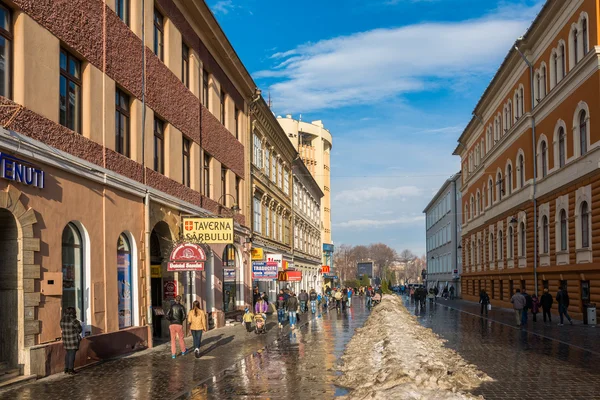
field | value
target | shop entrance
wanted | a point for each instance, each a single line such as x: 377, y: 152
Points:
x: 9, y: 251
x: 159, y: 253
x: 229, y: 278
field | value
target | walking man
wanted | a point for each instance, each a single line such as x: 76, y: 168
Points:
x: 562, y: 298
x: 292, y: 308
x: 528, y: 306
x: 313, y: 300
x: 451, y: 292
x: 280, y: 304
x: 303, y: 297
x: 349, y: 297
x: 518, y: 302
x: 484, y: 300
x: 176, y: 316
x: 369, y: 296
x: 546, y: 302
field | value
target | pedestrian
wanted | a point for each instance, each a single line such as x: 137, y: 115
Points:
x: 369, y: 296
x: 280, y: 305
x: 484, y: 300
x: 422, y: 296
x: 436, y: 291
x: 546, y: 303
x: 313, y: 297
x: 338, y: 299
x: 412, y: 294
x: 528, y: 306
x: 344, y: 298
x: 265, y: 297
x: 255, y: 296
x: 197, y: 319
x: 535, y: 306
x: 451, y: 292
x: 71, y: 336
x: 292, y: 308
x: 518, y: 302
x: 445, y: 293
x: 562, y: 298
x: 248, y: 318
x: 303, y: 297
x: 350, y: 291
x: 431, y: 296
x: 261, y: 306
x: 176, y: 316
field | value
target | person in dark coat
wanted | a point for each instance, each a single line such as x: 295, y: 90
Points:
x: 484, y: 300
x: 528, y: 306
x: 562, y: 298
x: 71, y: 336
x: 546, y: 302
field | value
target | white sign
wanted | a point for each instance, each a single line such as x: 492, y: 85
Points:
x: 278, y: 258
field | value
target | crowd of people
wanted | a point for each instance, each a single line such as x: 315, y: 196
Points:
x: 523, y: 303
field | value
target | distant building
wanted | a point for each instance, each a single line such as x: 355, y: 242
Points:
x: 443, y: 232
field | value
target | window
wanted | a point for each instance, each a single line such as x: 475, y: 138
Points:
x: 205, y: 88
x: 584, y: 35
x: 273, y: 169
x: 72, y: 267
x: 543, y: 78
x: 555, y: 63
x: 124, y: 282
x: 237, y: 191
x: 585, y: 227
x: 280, y: 228
x: 491, y: 192
x: 491, y: 253
x: 545, y: 235
x: 522, y: 97
x: 159, y: 35
x: 575, y: 45
x: 185, y: 151
x: 563, y: 230
x: 206, y: 175
x: 510, y: 242
x: 257, y: 154
x: 185, y: 65
x: 561, y: 147
x: 478, y: 204
x: 521, y: 171
x: 509, y: 179
x: 222, y: 105
x: 500, y: 245
x: 267, y: 222
x: 223, y: 186
x: 5, y: 51
x: 523, y: 241
x: 70, y: 91
x: 122, y: 7
x: 159, y: 146
x: 274, y: 220
x: 563, y: 59
x: 286, y: 182
x: 544, y: 159
x: 500, y: 188
x: 237, y: 122
x: 122, y: 137
x: 267, y: 158
x: 257, y: 215
x: 538, y: 87
x: 279, y: 175
x: 583, y: 133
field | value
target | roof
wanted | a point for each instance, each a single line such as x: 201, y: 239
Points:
x: 453, y: 178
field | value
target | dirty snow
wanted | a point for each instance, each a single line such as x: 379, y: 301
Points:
x: 394, y: 357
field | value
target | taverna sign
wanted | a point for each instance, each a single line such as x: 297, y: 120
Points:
x: 17, y: 170
x: 208, y: 230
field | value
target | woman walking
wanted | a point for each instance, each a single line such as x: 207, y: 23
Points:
x: 197, y: 319
x: 71, y: 336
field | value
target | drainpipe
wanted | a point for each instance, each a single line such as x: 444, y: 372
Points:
x: 535, y: 243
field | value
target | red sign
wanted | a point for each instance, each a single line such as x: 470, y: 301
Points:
x: 187, y: 257
x: 325, y: 269
x: 289, y: 276
x: 169, y: 290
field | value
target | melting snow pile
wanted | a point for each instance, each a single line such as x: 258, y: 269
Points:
x: 394, y: 357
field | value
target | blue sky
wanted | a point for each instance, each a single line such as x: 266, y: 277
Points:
x: 395, y: 81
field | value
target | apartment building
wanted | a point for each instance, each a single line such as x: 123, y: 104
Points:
x: 118, y: 118
x: 313, y: 142
x: 530, y: 156
x: 443, y: 223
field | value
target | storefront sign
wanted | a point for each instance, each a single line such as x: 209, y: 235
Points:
x: 276, y: 258
x: 156, y: 271
x: 208, y: 230
x: 289, y: 276
x: 15, y: 169
x: 229, y: 275
x: 325, y: 269
x: 330, y: 276
x: 264, y: 270
x: 169, y: 290
x: 187, y: 257
x: 257, y: 254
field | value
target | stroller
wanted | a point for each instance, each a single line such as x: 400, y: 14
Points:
x: 259, y: 323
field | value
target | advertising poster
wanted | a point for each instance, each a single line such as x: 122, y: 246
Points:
x: 229, y: 275
x: 124, y: 287
x: 264, y: 270
x: 169, y: 290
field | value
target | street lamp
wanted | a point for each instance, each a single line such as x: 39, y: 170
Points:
x: 235, y: 208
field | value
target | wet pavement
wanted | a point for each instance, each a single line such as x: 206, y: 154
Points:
x: 540, y: 363
x: 299, y: 364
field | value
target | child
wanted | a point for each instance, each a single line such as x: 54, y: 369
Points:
x: 248, y: 317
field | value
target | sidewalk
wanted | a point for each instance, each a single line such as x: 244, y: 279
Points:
x: 578, y: 335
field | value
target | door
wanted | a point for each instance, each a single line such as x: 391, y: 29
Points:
x: 9, y: 251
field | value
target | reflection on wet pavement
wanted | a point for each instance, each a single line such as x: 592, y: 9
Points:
x: 301, y: 364
x: 523, y: 364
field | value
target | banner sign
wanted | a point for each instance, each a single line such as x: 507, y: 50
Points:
x: 17, y: 170
x: 187, y: 257
x: 325, y: 269
x: 169, y: 290
x: 289, y: 276
x: 208, y: 230
x: 257, y: 254
x: 229, y: 275
x: 264, y: 270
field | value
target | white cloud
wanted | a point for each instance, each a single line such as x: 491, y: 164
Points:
x: 375, y: 223
x: 223, y: 7
x: 377, y: 193
x: 368, y: 67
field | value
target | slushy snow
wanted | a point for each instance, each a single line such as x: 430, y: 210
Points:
x: 394, y: 357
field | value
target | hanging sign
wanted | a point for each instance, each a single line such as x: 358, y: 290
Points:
x: 15, y: 169
x: 208, y: 230
x: 187, y: 257
x: 325, y: 269
x: 289, y: 276
x: 257, y: 254
x: 229, y: 275
x: 264, y: 270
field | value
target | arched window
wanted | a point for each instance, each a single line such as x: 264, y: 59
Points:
x: 491, y: 193
x: 584, y: 31
x: 543, y: 78
x: 561, y: 147
x: 575, y: 45
x: 517, y: 106
x: 545, y: 235
x: 125, y: 282
x: 472, y: 207
x: 509, y: 179
x: 585, y: 227
x: 563, y: 58
x: 563, y: 230
x: 544, y: 162
x: 555, y: 63
x: 522, y: 96
x: 479, y: 251
x: 523, y: 241
x: 510, y: 116
x: 479, y: 209
x: 72, y: 267
x: 582, y: 132
x: 491, y: 255
x: 499, y: 183
x: 466, y: 213
x: 510, y: 242
x: 521, y: 171
x: 538, y: 87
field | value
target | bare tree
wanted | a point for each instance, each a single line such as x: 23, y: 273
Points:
x: 406, y: 255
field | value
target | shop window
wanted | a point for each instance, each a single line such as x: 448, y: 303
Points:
x: 125, y: 283
x: 159, y: 146
x: 122, y: 7
x: 511, y: 288
x: 72, y: 269
x: 159, y: 35
x: 229, y: 278
x: 70, y: 91
x: 186, y: 167
x: 122, y: 118
x: 6, y: 38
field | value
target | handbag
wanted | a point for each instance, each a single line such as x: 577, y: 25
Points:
x: 489, y: 306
